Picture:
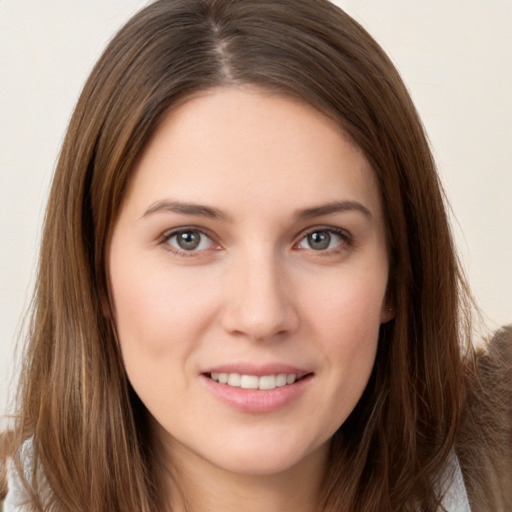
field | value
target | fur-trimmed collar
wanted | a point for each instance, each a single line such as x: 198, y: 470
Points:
x: 484, y: 444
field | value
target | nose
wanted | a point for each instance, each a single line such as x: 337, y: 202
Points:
x: 259, y: 303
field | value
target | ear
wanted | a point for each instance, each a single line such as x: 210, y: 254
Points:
x: 387, y: 313
x: 105, y: 308
x: 105, y: 304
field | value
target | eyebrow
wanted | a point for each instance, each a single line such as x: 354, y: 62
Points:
x: 209, y: 212
x: 197, y: 210
x: 334, y: 207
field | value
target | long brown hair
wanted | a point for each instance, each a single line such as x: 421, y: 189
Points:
x: 91, y: 445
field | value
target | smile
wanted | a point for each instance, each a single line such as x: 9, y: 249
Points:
x: 264, y: 382
x: 261, y: 393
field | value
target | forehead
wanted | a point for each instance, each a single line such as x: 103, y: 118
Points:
x: 252, y: 149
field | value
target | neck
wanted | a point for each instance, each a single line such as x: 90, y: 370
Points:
x: 202, y: 487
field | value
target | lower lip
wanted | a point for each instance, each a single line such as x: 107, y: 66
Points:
x: 257, y: 401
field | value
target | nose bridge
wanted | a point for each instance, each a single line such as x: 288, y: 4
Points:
x: 259, y: 303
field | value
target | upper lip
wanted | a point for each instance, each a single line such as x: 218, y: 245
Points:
x: 245, y: 368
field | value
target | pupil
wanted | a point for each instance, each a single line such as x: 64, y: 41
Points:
x: 188, y: 240
x: 319, y: 240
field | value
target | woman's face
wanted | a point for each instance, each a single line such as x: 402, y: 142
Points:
x: 248, y: 268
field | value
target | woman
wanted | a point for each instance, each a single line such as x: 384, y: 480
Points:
x: 248, y: 294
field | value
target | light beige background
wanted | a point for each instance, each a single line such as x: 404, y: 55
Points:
x: 455, y: 56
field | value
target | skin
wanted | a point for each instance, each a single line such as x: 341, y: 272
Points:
x: 255, y: 291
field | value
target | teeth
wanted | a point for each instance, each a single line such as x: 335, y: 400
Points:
x: 249, y: 382
x: 281, y: 379
x: 291, y: 378
x: 234, y: 380
x: 253, y: 382
x: 267, y: 382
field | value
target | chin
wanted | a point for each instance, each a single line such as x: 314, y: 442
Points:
x: 267, y: 460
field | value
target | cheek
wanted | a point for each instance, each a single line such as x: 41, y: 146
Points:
x: 351, y: 305
x: 158, y: 308
x: 351, y: 337
x: 347, y: 324
x: 160, y: 321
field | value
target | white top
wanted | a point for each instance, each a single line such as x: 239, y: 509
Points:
x: 15, y: 496
x: 455, y: 498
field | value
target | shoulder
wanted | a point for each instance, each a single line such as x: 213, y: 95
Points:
x: 484, y: 443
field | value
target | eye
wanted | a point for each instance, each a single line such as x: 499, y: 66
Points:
x: 323, y: 240
x: 189, y: 240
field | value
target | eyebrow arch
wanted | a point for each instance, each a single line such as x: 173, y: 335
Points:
x: 335, y: 207
x: 197, y: 210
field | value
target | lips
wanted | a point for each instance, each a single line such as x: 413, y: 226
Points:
x: 252, y: 389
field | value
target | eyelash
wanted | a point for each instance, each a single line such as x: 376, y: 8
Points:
x: 346, y: 240
x: 345, y: 236
x: 165, y: 240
